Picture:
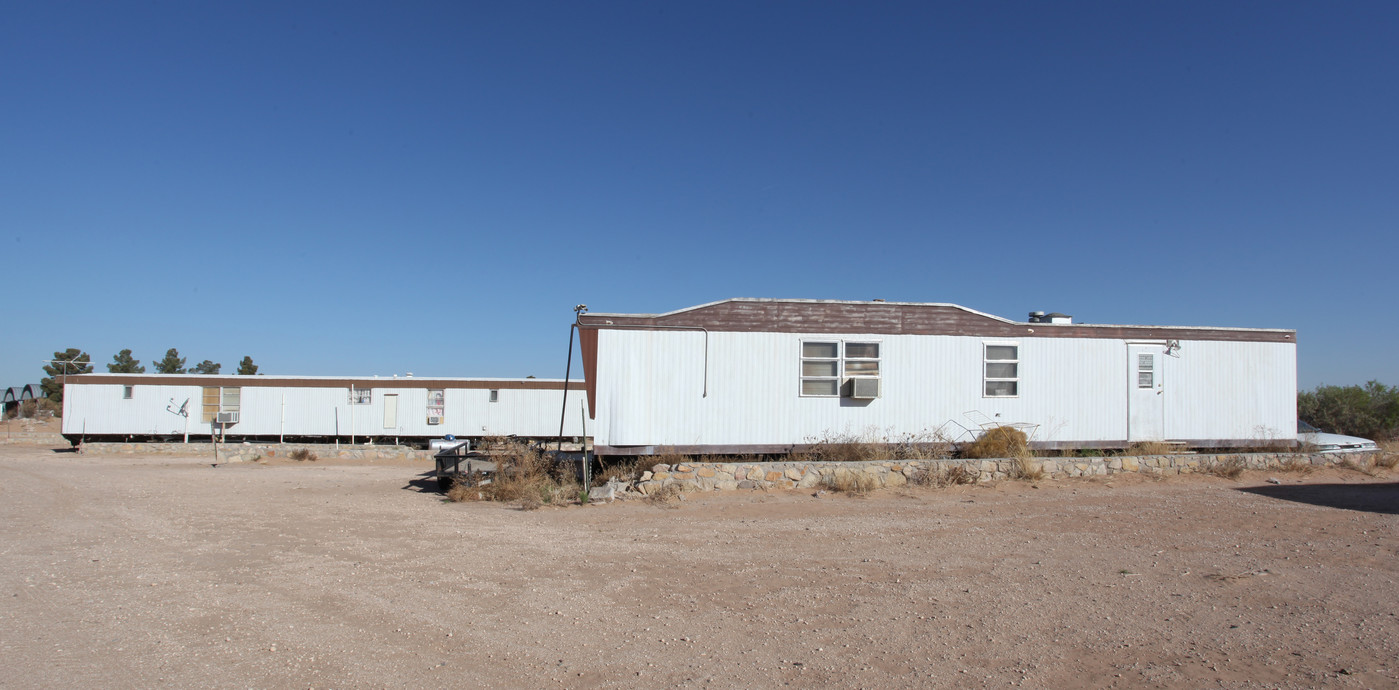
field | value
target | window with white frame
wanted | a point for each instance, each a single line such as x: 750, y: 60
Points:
x: 436, y: 405
x: 361, y: 396
x: 218, y: 399
x: 826, y: 364
x: 1146, y: 370
x: 126, y: 392
x: 1002, y: 370
x: 495, y: 395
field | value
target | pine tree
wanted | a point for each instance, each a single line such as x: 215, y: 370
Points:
x: 206, y: 367
x: 70, y: 361
x: 123, y: 363
x: 172, y: 364
x: 246, y: 367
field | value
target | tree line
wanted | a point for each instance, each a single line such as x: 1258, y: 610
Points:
x: 75, y: 361
x: 1369, y: 411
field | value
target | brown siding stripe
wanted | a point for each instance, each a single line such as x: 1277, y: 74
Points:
x: 905, y: 319
x: 263, y: 382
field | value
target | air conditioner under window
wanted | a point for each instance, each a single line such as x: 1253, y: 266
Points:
x: 226, y: 418
x: 864, y: 388
x: 434, y: 420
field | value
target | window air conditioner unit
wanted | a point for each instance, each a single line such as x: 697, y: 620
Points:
x: 226, y: 418
x: 864, y: 388
x: 434, y: 420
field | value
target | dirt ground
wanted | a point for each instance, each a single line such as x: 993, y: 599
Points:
x: 159, y: 571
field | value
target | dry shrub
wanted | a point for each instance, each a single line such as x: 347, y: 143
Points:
x: 1297, y: 465
x: 875, y: 445
x: 841, y: 448
x: 39, y: 408
x: 999, y: 442
x: 1228, y: 468
x: 1027, y: 469
x: 671, y: 459
x: 303, y: 455
x: 1364, y: 466
x: 1149, y: 448
x: 623, y: 469
x: 923, y: 445
x: 952, y: 476
x: 664, y: 497
x: 523, y: 473
x: 1388, y: 457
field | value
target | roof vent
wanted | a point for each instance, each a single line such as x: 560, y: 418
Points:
x: 1052, y: 317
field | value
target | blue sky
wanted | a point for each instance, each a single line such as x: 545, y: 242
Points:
x: 348, y: 188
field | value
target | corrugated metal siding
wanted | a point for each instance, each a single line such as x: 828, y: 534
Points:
x: 651, y: 383
x: 100, y: 409
x: 1231, y: 390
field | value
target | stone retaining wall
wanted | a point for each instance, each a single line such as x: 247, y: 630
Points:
x: 247, y: 452
x: 893, y: 473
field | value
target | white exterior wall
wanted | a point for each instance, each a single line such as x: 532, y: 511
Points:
x: 299, y: 411
x: 650, y: 389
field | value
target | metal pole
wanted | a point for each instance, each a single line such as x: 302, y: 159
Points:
x: 567, y: 370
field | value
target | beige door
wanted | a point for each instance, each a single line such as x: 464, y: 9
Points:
x: 391, y: 412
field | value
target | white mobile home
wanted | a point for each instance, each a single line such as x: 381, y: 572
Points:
x: 304, y: 408
x: 768, y: 376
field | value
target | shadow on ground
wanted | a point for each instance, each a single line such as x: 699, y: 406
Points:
x: 425, y: 483
x: 1370, y: 498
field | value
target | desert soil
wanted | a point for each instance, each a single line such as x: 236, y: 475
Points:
x: 160, y: 571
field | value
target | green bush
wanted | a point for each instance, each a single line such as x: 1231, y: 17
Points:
x: 1369, y: 411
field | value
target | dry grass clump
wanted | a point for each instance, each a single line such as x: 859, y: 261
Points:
x: 952, y: 476
x: 854, y: 483
x: 1364, y: 467
x: 1228, y: 468
x: 671, y: 459
x: 874, y: 445
x: 1149, y: 448
x: 999, y: 442
x: 1297, y: 465
x: 841, y: 448
x: 1388, y: 457
x: 622, y: 469
x: 524, y: 474
x: 1027, y: 469
x: 664, y: 497
x: 303, y: 455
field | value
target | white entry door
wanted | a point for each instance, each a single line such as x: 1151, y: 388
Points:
x: 391, y: 412
x: 1146, y: 392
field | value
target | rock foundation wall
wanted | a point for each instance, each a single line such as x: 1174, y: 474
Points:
x: 893, y: 473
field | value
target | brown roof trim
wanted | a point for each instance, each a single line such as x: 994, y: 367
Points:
x: 289, y: 382
x: 902, y: 318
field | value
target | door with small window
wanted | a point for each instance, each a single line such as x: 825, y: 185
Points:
x: 1146, y: 392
